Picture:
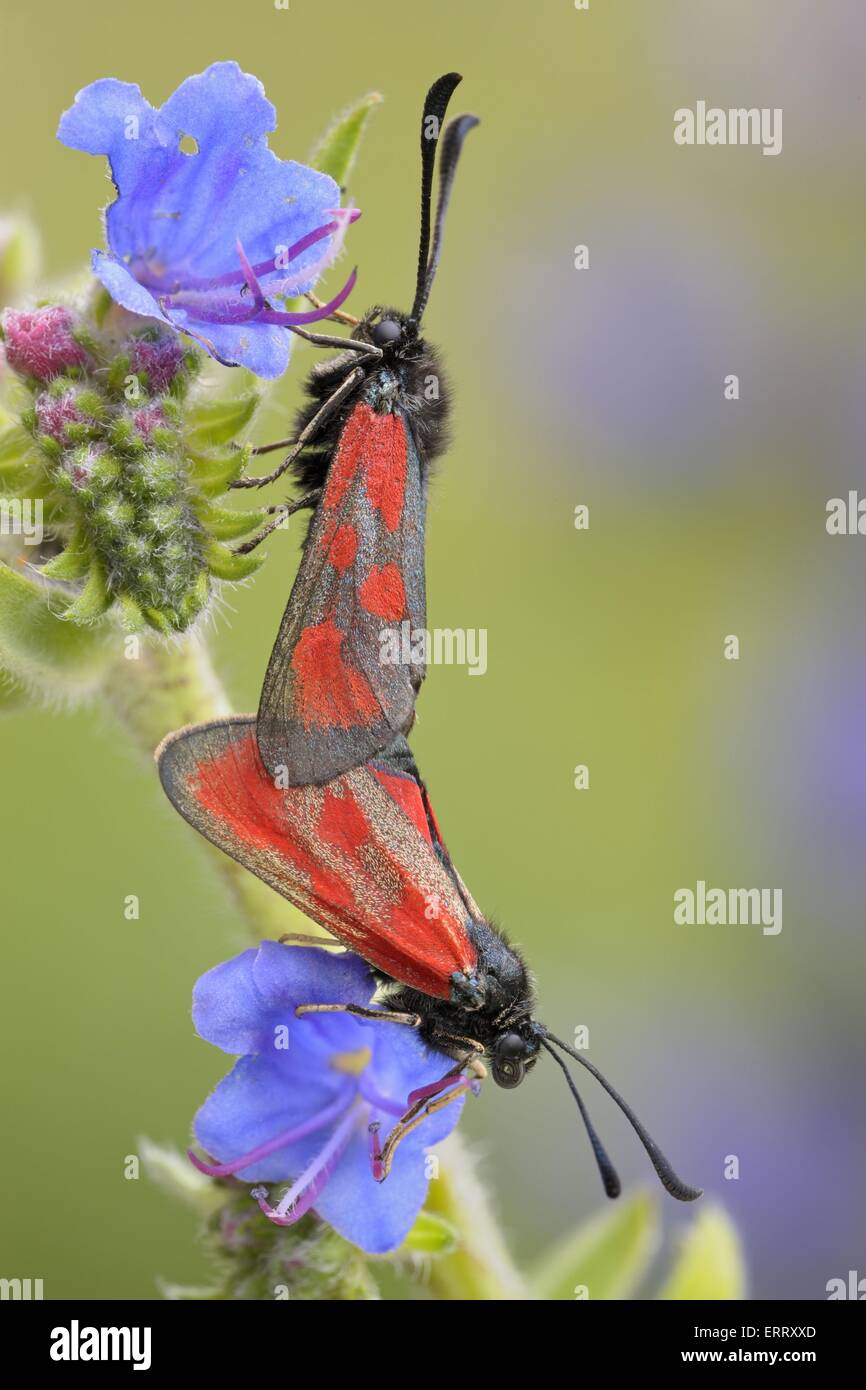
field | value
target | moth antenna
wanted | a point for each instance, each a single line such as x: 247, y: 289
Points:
x: 435, y: 106
x: 609, y: 1175
x: 452, y: 144
x: 667, y: 1176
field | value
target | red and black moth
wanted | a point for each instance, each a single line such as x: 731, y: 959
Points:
x: 364, y: 857
x: 375, y: 420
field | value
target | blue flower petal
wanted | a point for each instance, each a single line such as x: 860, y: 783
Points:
x: 378, y: 1216
x: 227, y: 1009
x: 235, y: 187
x: 112, y: 118
x: 262, y: 348
x: 124, y: 288
x: 402, y: 1063
x: 310, y: 975
x: 260, y: 1099
x: 238, y: 1004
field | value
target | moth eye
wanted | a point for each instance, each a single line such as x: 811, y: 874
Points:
x: 510, y: 1045
x: 508, y: 1072
x: 386, y: 331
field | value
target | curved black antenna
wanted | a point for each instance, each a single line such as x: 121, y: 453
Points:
x: 609, y: 1175
x: 452, y: 144
x: 435, y: 106
x: 668, y: 1178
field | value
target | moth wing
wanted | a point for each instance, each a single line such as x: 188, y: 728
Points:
x: 342, y: 678
x: 353, y: 854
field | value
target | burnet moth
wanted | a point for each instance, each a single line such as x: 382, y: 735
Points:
x: 364, y: 857
x: 375, y: 420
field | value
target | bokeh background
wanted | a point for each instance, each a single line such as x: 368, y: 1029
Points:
x: 601, y: 387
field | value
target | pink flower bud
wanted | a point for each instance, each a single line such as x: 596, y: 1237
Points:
x: 162, y: 360
x: 39, y: 342
x: 54, y: 413
x: 148, y: 419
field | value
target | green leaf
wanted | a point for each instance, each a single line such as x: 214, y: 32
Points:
x: 73, y: 562
x: 224, y: 563
x: 212, y: 473
x: 226, y: 525
x: 337, y: 150
x: 710, y: 1263
x: 431, y: 1235
x: 217, y: 422
x: 94, y: 599
x: 608, y: 1256
x: 15, y: 446
x: 38, y: 647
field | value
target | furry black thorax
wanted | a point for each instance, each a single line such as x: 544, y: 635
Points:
x: 420, y: 392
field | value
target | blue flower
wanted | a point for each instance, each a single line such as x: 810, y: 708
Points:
x: 309, y: 1095
x: 207, y: 240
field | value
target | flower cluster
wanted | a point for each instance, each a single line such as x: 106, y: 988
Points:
x: 106, y: 439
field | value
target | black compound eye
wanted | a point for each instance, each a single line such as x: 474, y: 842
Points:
x: 386, y: 331
x: 509, y: 1060
x: 508, y: 1072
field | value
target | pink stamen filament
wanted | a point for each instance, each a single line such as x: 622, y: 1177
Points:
x: 375, y: 1098
x: 433, y: 1088
x: 375, y: 1153
x: 343, y: 218
x: 313, y: 315
x: 302, y: 1194
x: 315, y: 1122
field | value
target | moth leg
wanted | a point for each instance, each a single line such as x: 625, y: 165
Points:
x: 476, y: 1049
x: 383, y: 1157
x: 312, y: 427
x: 300, y: 938
x: 377, y: 1015
x: 339, y: 315
x: 281, y: 511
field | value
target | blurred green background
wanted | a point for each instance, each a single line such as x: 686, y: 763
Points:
x: 602, y: 387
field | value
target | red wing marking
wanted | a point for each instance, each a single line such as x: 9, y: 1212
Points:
x: 381, y: 441
x: 342, y: 822
x: 386, y: 469
x: 329, y: 693
x: 343, y: 548
x: 382, y: 593
x: 404, y: 790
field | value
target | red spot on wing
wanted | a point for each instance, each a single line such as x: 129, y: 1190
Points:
x: 430, y: 816
x: 385, y: 467
x: 405, y: 791
x: 343, y: 547
x: 328, y: 692
x: 347, y: 457
x: 382, y: 593
x: 236, y: 790
x: 343, y: 823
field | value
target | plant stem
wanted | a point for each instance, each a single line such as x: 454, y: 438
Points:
x: 480, y: 1269
x: 166, y: 687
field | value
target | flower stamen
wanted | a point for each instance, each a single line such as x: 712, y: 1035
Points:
x: 289, y: 1136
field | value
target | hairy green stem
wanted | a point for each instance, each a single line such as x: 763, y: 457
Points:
x: 165, y: 687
